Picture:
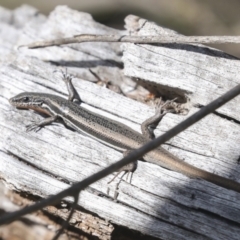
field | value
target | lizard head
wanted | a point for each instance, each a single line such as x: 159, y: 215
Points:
x: 25, y: 100
x: 29, y: 100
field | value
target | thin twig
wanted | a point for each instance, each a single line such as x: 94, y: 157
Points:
x: 133, y: 156
x: 135, y: 39
x: 66, y: 222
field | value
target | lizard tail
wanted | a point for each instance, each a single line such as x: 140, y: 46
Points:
x: 167, y: 160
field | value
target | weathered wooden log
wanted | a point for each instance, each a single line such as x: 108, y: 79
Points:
x: 158, y: 202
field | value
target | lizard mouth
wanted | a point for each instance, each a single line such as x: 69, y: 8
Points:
x: 17, y: 103
x: 25, y: 102
x: 13, y: 102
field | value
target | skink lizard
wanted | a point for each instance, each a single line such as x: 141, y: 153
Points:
x: 109, y: 132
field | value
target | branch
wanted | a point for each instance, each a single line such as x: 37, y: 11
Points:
x: 133, y: 156
x: 135, y: 39
x: 66, y: 222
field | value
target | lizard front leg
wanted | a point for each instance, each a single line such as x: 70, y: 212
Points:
x: 161, y: 109
x: 73, y: 95
x: 36, y: 126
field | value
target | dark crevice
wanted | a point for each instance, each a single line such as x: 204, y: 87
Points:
x: 197, y: 49
x: 129, y: 234
x: 88, y: 64
x: 165, y: 92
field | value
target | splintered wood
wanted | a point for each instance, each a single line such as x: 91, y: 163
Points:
x: 158, y: 202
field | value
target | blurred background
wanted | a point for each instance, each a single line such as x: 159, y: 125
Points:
x: 188, y: 17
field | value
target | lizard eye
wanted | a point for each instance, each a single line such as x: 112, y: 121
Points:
x: 25, y: 99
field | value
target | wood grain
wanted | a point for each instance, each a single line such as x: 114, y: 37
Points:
x: 159, y: 202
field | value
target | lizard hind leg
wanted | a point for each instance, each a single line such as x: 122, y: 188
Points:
x: 127, y: 169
